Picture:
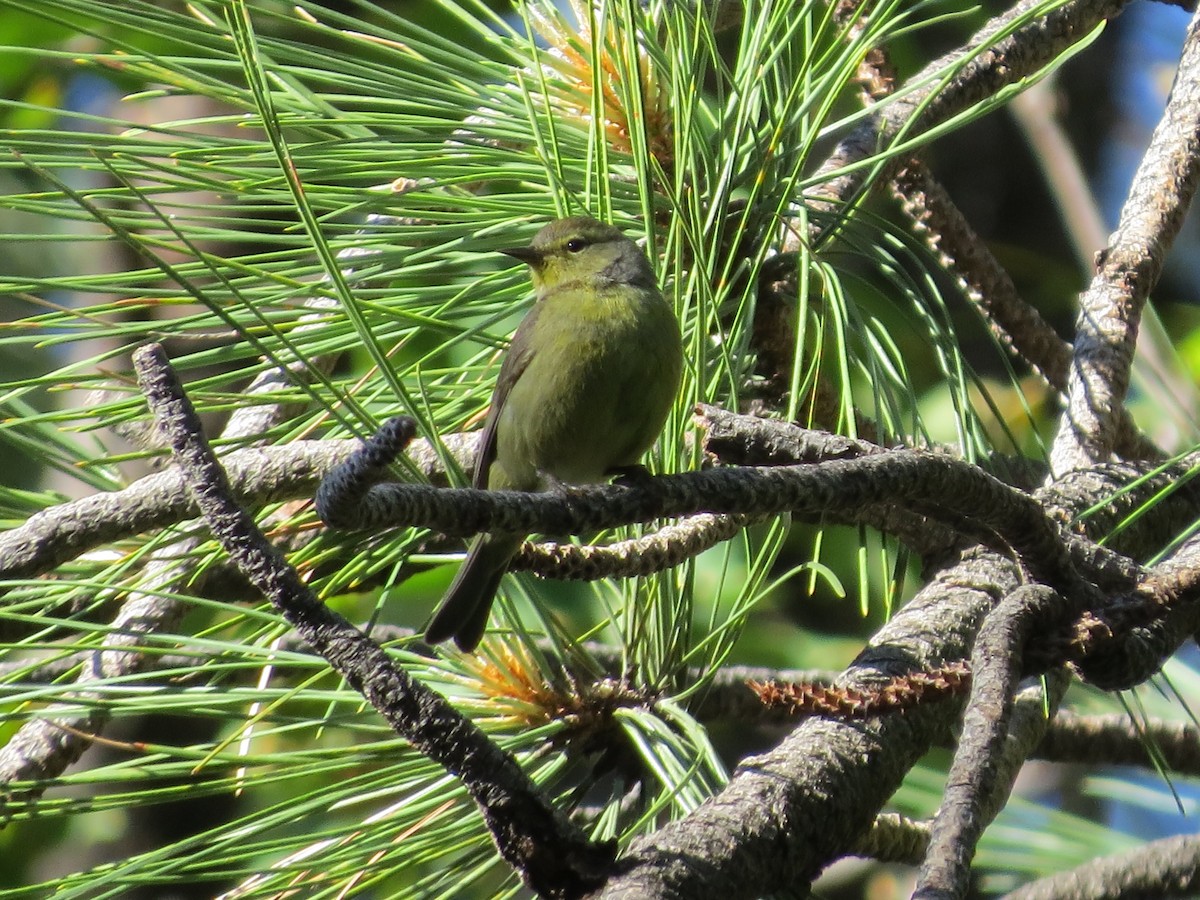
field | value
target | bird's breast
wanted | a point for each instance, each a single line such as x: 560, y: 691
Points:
x: 596, y: 391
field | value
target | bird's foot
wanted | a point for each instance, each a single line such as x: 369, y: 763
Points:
x: 630, y: 476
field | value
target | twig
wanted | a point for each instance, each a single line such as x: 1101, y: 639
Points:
x: 551, y: 856
x: 935, y: 484
x: 258, y: 475
x: 935, y: 218
x: 787, y: 813
x: 987, y: 284
x: 979, y: 779
x: 1111, y: 308
x: 980, y: 276
x: 894, y: 838
x: 1165, y: 868
x: 1117, y: 740
x: 991, y: 65
x: 664, y: 549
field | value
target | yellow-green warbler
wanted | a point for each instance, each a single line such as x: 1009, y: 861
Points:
x: 583, y: 391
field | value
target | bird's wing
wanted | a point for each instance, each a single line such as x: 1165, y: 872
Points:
x: 516, y: 360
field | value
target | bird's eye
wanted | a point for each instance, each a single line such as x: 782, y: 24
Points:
x: 576, y: 244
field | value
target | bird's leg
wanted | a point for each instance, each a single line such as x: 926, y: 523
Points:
x: 552, y: 484
x: 564, y: 490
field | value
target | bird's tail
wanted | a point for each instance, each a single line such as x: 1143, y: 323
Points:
x: 463, y: 612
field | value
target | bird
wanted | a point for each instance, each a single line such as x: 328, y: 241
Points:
x: 584, y: 390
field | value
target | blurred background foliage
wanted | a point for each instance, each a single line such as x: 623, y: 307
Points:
x: 148, y: 192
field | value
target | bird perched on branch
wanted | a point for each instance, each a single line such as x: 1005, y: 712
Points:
x: 583, y: 392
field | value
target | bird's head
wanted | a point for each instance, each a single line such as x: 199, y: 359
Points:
x: 581, y: 249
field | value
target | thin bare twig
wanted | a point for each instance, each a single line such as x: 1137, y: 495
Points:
x: 664, y: 549
x: 980, y: 277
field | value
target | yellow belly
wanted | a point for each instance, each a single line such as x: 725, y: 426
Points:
x: 596, y: 393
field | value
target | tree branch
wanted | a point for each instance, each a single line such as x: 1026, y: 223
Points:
x: 1127, y: 270
x: 789, y: 812
x: 1118, y: 740
x: 551, y: 855
x: 935, y: 484
x: 986, y: 763
x: 1165, y: 868
x: 258, y: 476
x: 930, y: 102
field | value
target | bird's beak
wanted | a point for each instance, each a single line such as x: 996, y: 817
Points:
x: 527, y: 255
